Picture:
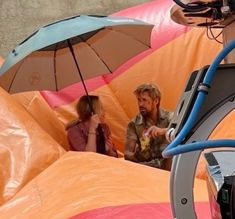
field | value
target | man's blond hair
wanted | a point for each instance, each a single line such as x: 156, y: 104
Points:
x: 151, y: 89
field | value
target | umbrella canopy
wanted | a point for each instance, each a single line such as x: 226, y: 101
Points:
x: 52, y: 57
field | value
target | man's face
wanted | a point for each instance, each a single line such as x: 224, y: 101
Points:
x: 146, y: 104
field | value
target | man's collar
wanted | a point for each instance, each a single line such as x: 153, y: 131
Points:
x: 139, y: 120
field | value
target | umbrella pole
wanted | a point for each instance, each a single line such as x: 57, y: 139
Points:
x: 83, y: 83
x: 100, y: 141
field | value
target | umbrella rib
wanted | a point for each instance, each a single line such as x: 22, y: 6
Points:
x: 13, y: 79
x: 95, y: 52
x: 56, y: 85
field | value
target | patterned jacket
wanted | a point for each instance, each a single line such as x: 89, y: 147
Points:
x: 150, y: 154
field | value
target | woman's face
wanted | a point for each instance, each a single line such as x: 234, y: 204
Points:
x: 100, y: 112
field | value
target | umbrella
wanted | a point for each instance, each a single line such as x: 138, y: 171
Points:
x: 72, y: 50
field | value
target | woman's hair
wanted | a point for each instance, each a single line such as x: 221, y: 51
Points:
x: 87, y: 105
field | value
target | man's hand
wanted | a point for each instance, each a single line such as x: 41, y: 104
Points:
x: 155, y: 131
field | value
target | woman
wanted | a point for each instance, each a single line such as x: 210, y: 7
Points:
x: 90, y: 133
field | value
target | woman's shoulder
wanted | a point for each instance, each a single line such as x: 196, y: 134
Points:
x: 73, y: 124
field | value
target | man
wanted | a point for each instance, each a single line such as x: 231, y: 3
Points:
x: 145, y: 137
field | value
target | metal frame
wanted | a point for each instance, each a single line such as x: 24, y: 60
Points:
x: 218, y: 103
x: 184, y: 167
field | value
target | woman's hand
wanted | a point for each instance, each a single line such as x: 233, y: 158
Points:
x: 94, y: 122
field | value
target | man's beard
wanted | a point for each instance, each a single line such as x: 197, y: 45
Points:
x: 144, y: 113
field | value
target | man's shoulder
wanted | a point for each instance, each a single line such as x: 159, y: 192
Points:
x: 138, y: 119
x: 166, y: 114
x: 133, y: 127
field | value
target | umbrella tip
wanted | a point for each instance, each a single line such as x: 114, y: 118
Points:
x: 14, y: 52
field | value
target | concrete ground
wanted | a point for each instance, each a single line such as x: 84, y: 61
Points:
x: 20, y: 18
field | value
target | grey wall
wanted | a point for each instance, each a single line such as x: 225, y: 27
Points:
x: 20, y: 18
